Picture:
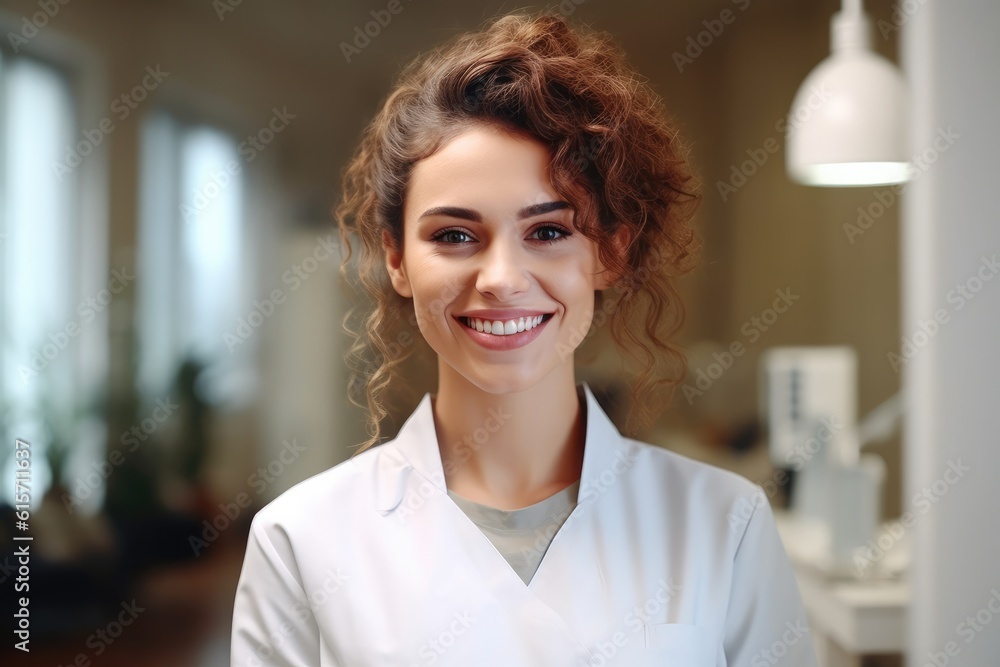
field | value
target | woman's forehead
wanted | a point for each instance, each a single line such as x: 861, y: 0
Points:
x: 483, y: 170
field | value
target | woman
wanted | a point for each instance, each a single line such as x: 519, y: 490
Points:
x: 514, y: 176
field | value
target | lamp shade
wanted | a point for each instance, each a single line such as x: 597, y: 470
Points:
x: 848, y: 123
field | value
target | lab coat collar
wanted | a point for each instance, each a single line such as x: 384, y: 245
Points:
x: 415, y: 448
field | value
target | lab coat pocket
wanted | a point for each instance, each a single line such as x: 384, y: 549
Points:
x: 691, y: 645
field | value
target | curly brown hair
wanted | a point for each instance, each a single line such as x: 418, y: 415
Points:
x: 616, y: 157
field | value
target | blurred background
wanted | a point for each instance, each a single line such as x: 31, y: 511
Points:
x: 172, y: 343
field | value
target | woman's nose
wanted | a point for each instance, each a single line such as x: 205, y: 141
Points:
x: 503, y: 271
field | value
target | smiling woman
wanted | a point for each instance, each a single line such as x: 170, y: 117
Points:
x: 513, y: 177
x: 504, y: 272
x: 531, y: 113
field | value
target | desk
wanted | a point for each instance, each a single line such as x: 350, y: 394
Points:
x: 848, y: 618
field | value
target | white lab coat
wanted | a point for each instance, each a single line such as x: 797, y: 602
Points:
x: 664, y: 561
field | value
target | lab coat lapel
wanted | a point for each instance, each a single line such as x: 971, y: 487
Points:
x: 415, y: 449
x: 571, y: 577
x: 605, y: 457
x: 411, y: 480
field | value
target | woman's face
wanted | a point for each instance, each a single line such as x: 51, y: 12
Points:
x: 484, y: 231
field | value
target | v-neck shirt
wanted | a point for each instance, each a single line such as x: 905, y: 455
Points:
x: 522, y: 536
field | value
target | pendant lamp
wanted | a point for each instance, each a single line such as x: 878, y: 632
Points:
x: 849, y: 121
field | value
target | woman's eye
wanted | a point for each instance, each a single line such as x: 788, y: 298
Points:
x: 546, y: 236
x: 543, y: 233
x: 450, y: 236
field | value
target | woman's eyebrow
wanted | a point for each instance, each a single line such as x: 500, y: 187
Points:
x: 475, y: 216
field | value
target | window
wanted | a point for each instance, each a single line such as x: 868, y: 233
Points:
x: 192, y: 242
x: 52, y: 363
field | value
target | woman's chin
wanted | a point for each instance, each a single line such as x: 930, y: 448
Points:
x: 494, y: 381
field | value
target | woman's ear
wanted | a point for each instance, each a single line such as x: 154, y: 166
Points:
x: 620, y: 242
x: 394, y: 266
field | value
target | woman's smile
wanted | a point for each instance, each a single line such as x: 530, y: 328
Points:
x: 510, y: 334
x: 501, y: 326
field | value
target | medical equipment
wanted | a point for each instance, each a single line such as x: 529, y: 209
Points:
x: 808, y: 401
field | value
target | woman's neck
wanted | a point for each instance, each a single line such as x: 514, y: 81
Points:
x: 509, y: 450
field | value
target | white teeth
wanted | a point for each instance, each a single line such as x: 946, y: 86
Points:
x: 503, y: 328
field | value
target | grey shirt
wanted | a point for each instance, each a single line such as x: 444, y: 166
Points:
x: 523, y: 535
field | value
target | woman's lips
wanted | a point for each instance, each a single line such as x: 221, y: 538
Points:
x: 507, y: 341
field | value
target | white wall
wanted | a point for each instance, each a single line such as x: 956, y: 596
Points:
x: 950, y: 222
